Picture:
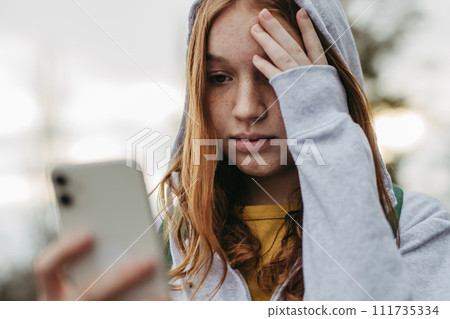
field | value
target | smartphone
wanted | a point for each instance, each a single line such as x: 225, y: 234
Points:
x: 109, y: 199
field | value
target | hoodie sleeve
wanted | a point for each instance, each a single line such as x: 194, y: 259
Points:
x: 425, y: 245
x: 348, y: 249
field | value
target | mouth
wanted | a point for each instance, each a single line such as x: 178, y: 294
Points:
x: 252, y: 142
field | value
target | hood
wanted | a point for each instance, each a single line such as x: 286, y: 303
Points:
x: 331, y: 20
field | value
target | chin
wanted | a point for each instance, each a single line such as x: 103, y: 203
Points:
x: 254, y: 169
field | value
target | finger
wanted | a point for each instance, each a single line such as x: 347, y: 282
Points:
x: 47, y: 266
x: 265, y: 67
x: 312, y: 42
x: 117, y: 281
x: 283, y: 37
x: 276, y: 53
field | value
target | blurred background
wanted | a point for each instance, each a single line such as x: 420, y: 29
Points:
x: 79, y: 78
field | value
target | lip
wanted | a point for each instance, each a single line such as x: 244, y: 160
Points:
x: 251, y: 137
x: 252, y: 142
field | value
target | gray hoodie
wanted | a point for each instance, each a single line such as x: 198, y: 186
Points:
x: 349, y: 252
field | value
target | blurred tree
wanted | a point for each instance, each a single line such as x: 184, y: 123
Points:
x: 378, y: 34
x: 19, y: 283
x: 19, y: 287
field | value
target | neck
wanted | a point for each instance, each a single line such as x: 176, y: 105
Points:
x: 270, y: 190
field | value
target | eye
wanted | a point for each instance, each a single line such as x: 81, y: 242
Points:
x: 218, y: 78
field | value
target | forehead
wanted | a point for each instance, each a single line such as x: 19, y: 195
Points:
x: 231, y: 30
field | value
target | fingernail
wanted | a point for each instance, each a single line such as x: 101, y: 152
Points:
x: 303, y: 14
x: 266, y: 14
x: 257, y: 28
x: 256, y: 58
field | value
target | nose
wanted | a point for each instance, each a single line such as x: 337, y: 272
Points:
x: 250, y: 104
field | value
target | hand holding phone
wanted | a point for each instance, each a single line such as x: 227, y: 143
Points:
x: 51, y: 283
x: 109, y: 201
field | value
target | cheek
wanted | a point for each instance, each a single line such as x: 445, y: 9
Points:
x: 279, y: 122
x: 220, y: 114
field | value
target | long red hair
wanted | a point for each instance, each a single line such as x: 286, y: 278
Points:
x: 207, y: 196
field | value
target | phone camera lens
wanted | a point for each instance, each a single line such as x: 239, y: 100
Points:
x: 65, y: 200
x: 60, y: 180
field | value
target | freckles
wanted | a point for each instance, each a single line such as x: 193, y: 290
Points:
x: 220, y: 112
x: 221, y: 105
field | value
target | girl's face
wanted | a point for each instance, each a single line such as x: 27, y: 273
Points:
x: 238, y: 95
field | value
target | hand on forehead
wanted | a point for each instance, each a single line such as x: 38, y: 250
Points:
x: 230, y: 34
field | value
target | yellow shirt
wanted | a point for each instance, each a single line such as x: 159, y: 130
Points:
x: 265, y: 222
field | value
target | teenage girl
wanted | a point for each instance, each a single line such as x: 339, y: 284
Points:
x: 300, y: 206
